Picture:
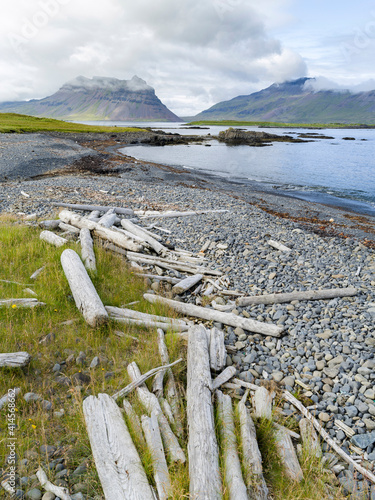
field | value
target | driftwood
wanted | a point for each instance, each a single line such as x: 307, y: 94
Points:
x: 167, y: 410
x: 107, y: 234
x: 233, y: 475
x: 30, y: 292
x: 262, y: 401
x: 108, y: 219
x: 288, y: 455
x: 15, y: 359
x: 52, y: 238
x: 366, y: 473
x: 218, y: 353
x: 90, y: 208
x: 142, y: 379
x: 94, y: 215
x: 278, y: 298
x: 171, y: 213
x: 138, y: 231
x: 310, y: 438
x: 134, y: 420
x: 37, y: 273
x: 130, y: 313
x: 155, y: 277
x: 59, y: 491
x: 85, y: 296
x: 68, y: 227
x: 213, y: 315
x: 153, y: 438
x: 186, y: 284
x: 49, y: 224
x: 171, y: 326
x: 117, y: 461
x: 21, y: 303
x: 151, y: 403
x: 88, y: 255
x: 205, y: 482
x: 251, y: 457
x: 279, y: 246
x: 7, y: 396
x: 223, y: 377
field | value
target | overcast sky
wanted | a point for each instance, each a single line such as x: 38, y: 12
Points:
x: 193, y: 52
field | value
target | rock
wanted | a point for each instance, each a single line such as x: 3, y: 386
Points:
x: 324, y: 417
x: 369, y: 423
x: 46, y: 405
x: 239, y: 331
x: 59, y: 413
x: 95, y: 362
x: 331, y: 372
x: 369, y: 394
x: 34, y: 494
x: 47, y: 450
x: 31, y: 454
x: 48, y: 496
x: 363, y: 440
x: 327, y: 334
x: 31, y: 396
x: 56, y: 368
x: 289, y: 380
x: 277, y: 376
x: 351, y: 411
x: 81, y: 378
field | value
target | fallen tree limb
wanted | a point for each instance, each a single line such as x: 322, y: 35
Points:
x: 171, y: 264
x: 155, y: 277
x: 223, y: 377
x: 186, y: 284
x: 218, y: 353
x: 134, y: 420
x: 88, y: 255
x: 278, y: 298
x: 138, y: 231
x: 68, y: 227
x: 262, y: 402
x: 21, y: 303
x: 37, y: 273
x: 288, y: 455
x: 90, y: 208
x: 171, y: 213
x: 310, y: 438
x: 221, y: 317
x: 130, y: 313
x: 52, y: 238
x: 60, y: 492
x: 151, y: 324
x: 279, y: 246
x: 15, y: 359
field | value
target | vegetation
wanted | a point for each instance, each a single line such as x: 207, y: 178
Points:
x: 234, y: 123
x: 15, y: 123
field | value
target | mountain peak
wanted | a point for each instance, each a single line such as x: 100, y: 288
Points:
x: 81, y: 83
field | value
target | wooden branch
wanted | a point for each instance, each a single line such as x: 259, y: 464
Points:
x: 15, y: 359
x: 142, y: 379
x: 155, y: 445
x: 223, y: 377
x: 366, y: 473
x: 108, y: 219
x: 279, y: 246
x: 251, y: 457
x: 68, y: 227
x: 49, y: 224
x: 88, y: 255
x: 278, y: 298
x: 130, y: 313
x: 233, y: 475
x: 221, y: 317
x: 262, y: 402
x: 218, y: 353
x: 89, y: 208
x: 310, y: 438
x: 155, y: 277
x: 171, y: 213
x: 134, y: 420
x: 171, y: 325
x: 171, y: 264
x: 151, y: 403
x: 60, y: 492
x: 52, y: 238
x: 205, y: 482
x: 37, y: 273
x: 117, y: 461
x: 28, y: 302
x: 94, y: 215
x: 85, y: 296
x: 167, y: 410
x: 138, y: 231
x: 288, y: 455
x: 12, y: 392
x: 186, y: 284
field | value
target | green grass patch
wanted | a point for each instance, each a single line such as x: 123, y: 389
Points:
x: 16, y: 123
x: 235, y: 123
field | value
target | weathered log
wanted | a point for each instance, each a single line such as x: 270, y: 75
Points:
x: 218, y: 353
x: 132, y: 236
x: 291, y: 433
x: 90, y: 208
x: 155, y: 445
x: 279, y: 246
x: 151, y: 403
x: 130, y: 313
x: 85, y: 296
x: 366, y: 473
x: 59, y: 491
x: 171, y: 325
x: 221, y: 317
x: 262, y: 402
x: 205, y: 483
x: 68, y: 227
x: 288, y: 455
x: 171, y: 264
x: 233, y: 475
x: 310, y: 438
x: 52, y: 238
x: 37, y: 273
x: 30, y: 292
x: 186, y: 284
x: 108, y: 219
x: 142, y: 379
x: 172, y: 213
x: 107, y: 234
x: 15, y: 359
x: 155, y: 277
x: 251, y: 457
x: 28, y: 302
x: 138, y: 231
x: 117, y: 461
x: 167, y: 410
x: 94, y: 215
x: 223, y: 377
x: 88, y: 255
x: 134, y: 420
x: 49, y: 224
x: 12, y: 393
x: 278, y: 298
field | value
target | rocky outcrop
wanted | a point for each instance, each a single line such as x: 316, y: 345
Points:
x: 252, y: 138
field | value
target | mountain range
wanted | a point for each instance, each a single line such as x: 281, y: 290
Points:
x: 98, y: 98
x: 296, y: 102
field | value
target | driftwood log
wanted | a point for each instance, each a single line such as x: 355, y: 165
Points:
x: 15, y: 359
x: 85, y: 296
x: 221, y: 317
x: 218, y: 352
x: 278, y: 298
x: 279, y: 246
x: 310, y: 438
x: 134, y: 420
x: 68, y: 227
x: 59, y: 491
x: 262, y: 401
x: 288, y: 454
x: 37, y: 273
x: 52, y: 238
x: 108, y: 219
x: 130, y: 313
x: 205, y: 482
x: 90, y: 208
x: 87, y: 245
x: 21, y: 303
x: 186, y: 284
x: 223, y: 377
x: 171, y: 213
x: 117, y: 461
x: 144, y: 235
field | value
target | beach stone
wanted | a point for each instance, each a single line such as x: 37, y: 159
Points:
x: 56, y: 368
x: 34, y: 494
x: 31, y: 396
x: 289, y: 380
x: 369, y: 393
x: 81, y: 377
x: 351, y: 411
x: 327, y: 334
x: 331, y: 372
x: 48, y: 496
x: 95, y: 362
x: 239, y: 331
x: 324, y: 417
x: 369, y: 423
x: 48, y: 450
x: 363, y: 441
x: 277, y: 376
x: 46, y: 405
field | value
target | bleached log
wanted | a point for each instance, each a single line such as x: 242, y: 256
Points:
x: 218, y: 353
x: 291, y: 433
x: 88, y: 255
x: 288, y: 455
x: 279, y: 246
x: 30, y: 292
x: 59, y: 491
x: 12, y: 393
x: 233, y: 474
x: 226, y: 308
x: 155, y: 445
x: 138, y: 231
x: 246, y: 385
x: 15, y: 359
x: 108, y: 219
x: 151, y: 403
x: 37, y: 273
x: 262, y: 402
x: 117, y: 461
x: 21, y: 303
x: 186, y: 284
x: 362, y: 470
x: 107, y: 234
x: 132, y: 236
x: 130, y: 313
x: 155, y: 277
x: 94, y: 215
x: 251, y: 457
x: 171, y: 264
x: 167, y: 410
x: 205, y: 247
x: 153, y: 235
x: 310, y: 438
x: 134, y: 420
x: 170, y: 326
x: 278, y: 298
x: 171, y: 213
x: 142, y: 379
x: 49, y: 224
x: 205, y: 482
x: 52, y: 238
x: 221, y: 317
x: 68, y: 227
x: 223, y: 377
x: 90, y: 208
x: 85, y: 296
x: 345, y: 428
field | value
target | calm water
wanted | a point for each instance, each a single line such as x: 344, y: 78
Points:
x: 332, y: 171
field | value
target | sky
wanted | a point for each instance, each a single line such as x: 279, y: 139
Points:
x: 195, y: 53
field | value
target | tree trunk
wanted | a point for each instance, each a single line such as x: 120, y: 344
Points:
x: 90, y: 208
x: 138, y: 231
x: 186, y: 284
x: 218, y: 353
x: 88, y: 255
x: 52, y: 238
x: 262, y: 401
x: 288, y: 455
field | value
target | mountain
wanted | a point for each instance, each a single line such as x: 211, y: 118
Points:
x: 98, y: 98
x: 296, y: 102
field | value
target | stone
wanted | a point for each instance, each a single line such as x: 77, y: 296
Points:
x: 95, y: 362
x: 351, y: 411
x: 48, y: 450
x: 277, y: 376
x: 31, y: 396
x: 331, y: 372
x: 327, y: 334
x: 239, y: 331
x: 81, y: 377
x: 289, y: 380
x: 324, y: 417
x: 46, y: 405
x: 369, y: 394
x: 363, y: 440
x: 369, y: 423
x: 34, y: 494
x: 48, y: 496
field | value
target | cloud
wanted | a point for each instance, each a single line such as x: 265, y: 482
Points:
x: 322, y: 83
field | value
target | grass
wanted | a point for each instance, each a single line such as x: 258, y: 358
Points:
x: 19, y: 124
x: 235, y: 123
